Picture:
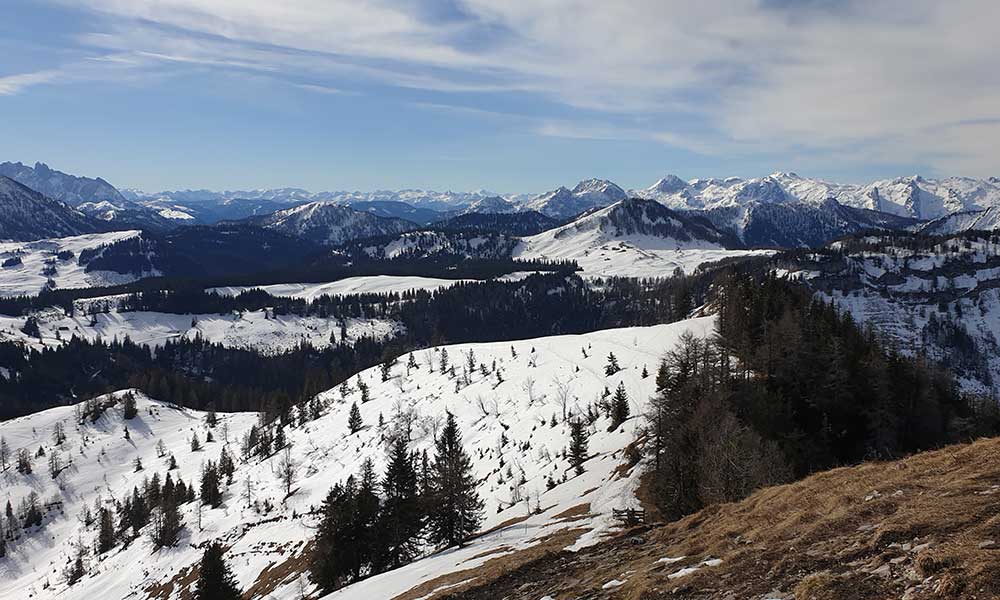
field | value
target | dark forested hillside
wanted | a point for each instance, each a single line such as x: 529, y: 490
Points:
x: 790, y: 386
x: 199, y: 374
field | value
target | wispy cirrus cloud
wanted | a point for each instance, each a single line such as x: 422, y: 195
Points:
x: 13, y: 84
x: 910, y: 78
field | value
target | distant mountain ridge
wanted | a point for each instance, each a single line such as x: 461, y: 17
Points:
x: 915, y: 197
x: 71, y: 189
x: 27, y: 215
x: 331, y: 224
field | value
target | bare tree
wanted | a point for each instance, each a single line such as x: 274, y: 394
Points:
x: 4, y: 453
x: 529, y: 388
x: 562, y: 395
x: 286, y: 471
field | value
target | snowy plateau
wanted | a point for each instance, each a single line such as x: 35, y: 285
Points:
x: 514, y: 419
x: 30, y: 265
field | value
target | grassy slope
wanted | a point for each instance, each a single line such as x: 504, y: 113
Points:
x: 924, y: 527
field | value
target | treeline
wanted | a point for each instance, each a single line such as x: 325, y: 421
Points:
x: 188, y: 372
x: 329, y: 269
x: 790, y: 386
x: 199, y: 374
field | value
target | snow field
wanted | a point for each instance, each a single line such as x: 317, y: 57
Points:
x: 506, y: 421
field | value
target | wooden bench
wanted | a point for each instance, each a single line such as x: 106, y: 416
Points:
x: 629, y: 516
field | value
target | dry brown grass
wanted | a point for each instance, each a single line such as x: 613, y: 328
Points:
x: 916, y: 528
x: 495, y: 567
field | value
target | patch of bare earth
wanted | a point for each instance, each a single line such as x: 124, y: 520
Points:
x: 925, y: 527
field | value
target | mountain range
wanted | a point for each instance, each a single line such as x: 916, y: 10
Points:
x: 26, y: 214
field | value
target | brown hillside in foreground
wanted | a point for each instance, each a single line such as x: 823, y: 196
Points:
x: 924, y: 527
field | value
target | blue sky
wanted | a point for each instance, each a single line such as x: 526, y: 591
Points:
x: 513, y: 96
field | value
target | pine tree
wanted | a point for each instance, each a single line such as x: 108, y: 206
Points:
x: 226, y: 465
x: 215, y: 579
x: 457, y: 509
x: 76, y: 569
x: 334, y: 550
x: 105, y: 531
x: 354, y: 420
x: 444, y: 360
x: 195, y: 444
x: 619, y: 407
x: 577, y: 445
x: 401, y: 519
x: 167, y: 524
x: 612, y: 367
x: 365, y: 525
x: 411, y: 364
x: 129, y: 409
x: 211, y: 494
x: 363, y: 387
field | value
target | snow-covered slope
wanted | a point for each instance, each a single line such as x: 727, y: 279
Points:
x: 417, y: 244
x: 506, y: 422
x: 915, y: 196
x: 28, y: 215
x: 365, y: 284
x: 974, y: 220
x: 798, y: 224
x: 33, y: 264
x: 423, y: 199
x: 327, y: 223
x: 632, y: 238
x: 938, y: 297
x: 260, y: 330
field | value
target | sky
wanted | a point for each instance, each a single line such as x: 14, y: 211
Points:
x: 506, y: 95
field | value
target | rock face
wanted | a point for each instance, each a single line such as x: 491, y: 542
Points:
x: 28, y: 215
x: 563, y: 203
x: 71, y: 189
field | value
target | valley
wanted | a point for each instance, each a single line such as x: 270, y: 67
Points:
x: 695, y: 351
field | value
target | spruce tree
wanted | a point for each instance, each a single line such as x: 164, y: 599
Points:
x: 444, y: 360
x: 619, y: 407
x: 577, y: 445
x: 211, y: 494
x: 215, y: 579
x: 167, y: 524
x: 401, y: 519
x: 612, y: 367
x: 365, y: 526
x: 354, y: 420
x: 457, y: 510
x: 105, y: 531
x: 129, y: 410
x: 333, y: 549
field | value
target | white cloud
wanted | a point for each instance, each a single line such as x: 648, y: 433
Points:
x: 901, y: 79
x: 13, y: 84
